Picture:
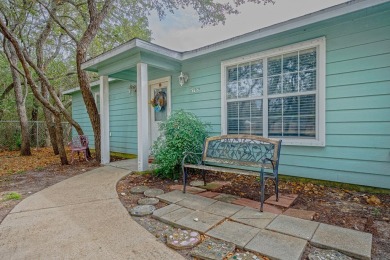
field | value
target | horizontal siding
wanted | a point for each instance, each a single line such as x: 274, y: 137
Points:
x: 123, y: 119
x: 80, y: 115
x: 357, y: 99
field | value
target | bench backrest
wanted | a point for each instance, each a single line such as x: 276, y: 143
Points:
x: 80, y: 141
x: 242, y: 150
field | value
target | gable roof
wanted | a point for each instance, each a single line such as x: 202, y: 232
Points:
x: 331, y: 12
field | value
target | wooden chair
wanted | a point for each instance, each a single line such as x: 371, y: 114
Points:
x: 79, y: 144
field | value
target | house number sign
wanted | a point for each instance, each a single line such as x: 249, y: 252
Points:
x: 194, y: 90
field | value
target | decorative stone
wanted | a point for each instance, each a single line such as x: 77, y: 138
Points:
x: 148, y: 201
x: 197, y: 183
x: 151, y: 193
x: 142, y: 210
x: 183, y: 239
x: 213, y: 249
x: 139, y: 189
x: 159, y: 229
x: 320, y: 254
x: 244, y: 256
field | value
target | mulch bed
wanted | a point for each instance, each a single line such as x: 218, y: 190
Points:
x: 336, y: 206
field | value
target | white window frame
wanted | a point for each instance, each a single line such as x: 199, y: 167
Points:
x: 320, y: 44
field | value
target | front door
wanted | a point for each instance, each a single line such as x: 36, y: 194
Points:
x: 160, y: 109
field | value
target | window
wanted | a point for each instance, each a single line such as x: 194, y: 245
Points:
x: 97, y: 101
x: 277, y: 93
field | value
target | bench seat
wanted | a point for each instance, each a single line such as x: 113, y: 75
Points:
x: 223, y: 169
x: 237, y: 154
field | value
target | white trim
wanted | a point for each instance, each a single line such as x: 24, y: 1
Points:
x: 320, y: 44
x: 331, y: 12
x: 134, y: 43
x: 169, y: 79
x: 143, y: 124
x: 327, y: 13
x: 91, y: 84
x: 104, y: 120
x: 169, y: 104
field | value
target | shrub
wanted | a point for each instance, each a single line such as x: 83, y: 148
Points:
x: 13, y: 196
x: 181, y: 132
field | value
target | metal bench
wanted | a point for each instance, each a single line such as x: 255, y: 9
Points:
x: 240, y: 154
x: 79, y: 144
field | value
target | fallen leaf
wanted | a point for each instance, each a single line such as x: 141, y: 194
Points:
x: 373, y: 200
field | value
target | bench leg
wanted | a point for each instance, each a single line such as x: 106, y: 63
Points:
x: 184, y: 179
x: 204, y: 177
x: 262, y: 189
x: 85, y: 155
x: 277, y: 187
x: 71, y: 154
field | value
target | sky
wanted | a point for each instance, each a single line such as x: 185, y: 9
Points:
x: 182, y: 31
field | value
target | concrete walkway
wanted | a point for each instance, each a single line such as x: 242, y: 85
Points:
x: 79, y: 218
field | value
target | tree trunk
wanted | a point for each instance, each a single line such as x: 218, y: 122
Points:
x: 60, y: 138
x: 49, y: 122
x: 34, y: 119
x: 2, y: 97
x: 89, y: 100
x: 20, y: 103
x: 51, y: 129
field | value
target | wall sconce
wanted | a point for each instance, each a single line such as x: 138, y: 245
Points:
x: 183, y: 78
x: 132, y: 89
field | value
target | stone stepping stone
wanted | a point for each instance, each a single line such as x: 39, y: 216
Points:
x: 151, y: 193
x: 197, y: 183
x: 159, y: 229
x: 213, y: 249
x: 285, y: 200
x: 183, y: 239
x: 228, y: 198
x: 139, y: 189
x: 244, y: 256
x: 142, y: 210
x: 300, y: 213
x: 296, y: 227
x: 348, y: 241
x: 148, y: 201
x: 321, y: 254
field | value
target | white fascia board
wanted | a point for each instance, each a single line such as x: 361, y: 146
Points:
x: 106, y: 55
x: 331, y: 12
x: 92, y: 84
x: 131, y: 45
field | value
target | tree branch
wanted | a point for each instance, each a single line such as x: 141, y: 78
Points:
x: 55, y: 18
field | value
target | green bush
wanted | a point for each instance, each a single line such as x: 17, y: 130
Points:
x: 13, y: 196
x: 181, y: 132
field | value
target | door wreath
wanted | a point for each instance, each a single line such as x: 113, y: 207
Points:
x: 159, y: 102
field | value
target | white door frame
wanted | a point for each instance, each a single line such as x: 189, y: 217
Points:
x: 169, y: 101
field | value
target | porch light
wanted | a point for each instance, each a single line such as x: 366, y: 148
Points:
x: 183, y: 78
x: 132, y: 89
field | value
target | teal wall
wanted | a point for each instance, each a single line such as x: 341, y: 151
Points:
x: 79, y: 114
x: 357, y: 99
x: 123, y: 118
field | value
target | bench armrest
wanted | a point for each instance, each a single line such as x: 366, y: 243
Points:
x: 192, y: 156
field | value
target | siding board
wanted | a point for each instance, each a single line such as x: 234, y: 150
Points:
x: 357, y: 99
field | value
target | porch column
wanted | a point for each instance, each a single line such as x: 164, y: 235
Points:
x: 104, y: 120
x: 143, y: 127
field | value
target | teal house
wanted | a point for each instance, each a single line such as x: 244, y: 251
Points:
x: 320, y: 82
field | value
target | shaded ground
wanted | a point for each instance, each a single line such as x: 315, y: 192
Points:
x: 336, y: 206
x: 29, y: 174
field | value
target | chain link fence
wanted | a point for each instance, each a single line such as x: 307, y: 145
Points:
x: 10, y: 134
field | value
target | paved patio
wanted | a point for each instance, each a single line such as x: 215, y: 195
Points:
x: 274, y: 235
